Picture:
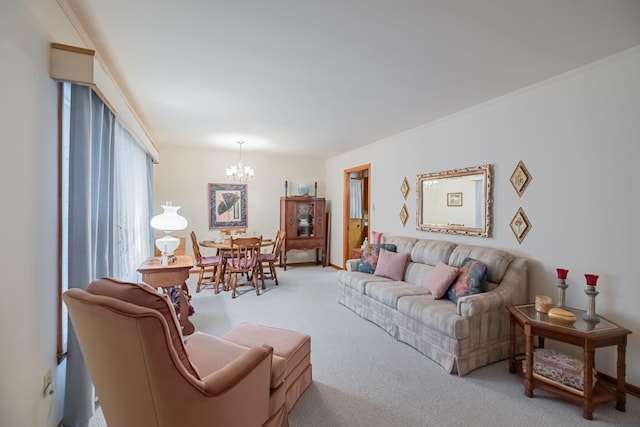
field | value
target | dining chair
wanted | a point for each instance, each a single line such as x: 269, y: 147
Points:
x: 210, y: 267
x: 244, y: 260
x: 268, y: 260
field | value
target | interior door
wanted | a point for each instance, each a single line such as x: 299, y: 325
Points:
x: 356, y: 212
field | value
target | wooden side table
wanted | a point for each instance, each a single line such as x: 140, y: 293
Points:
x: 589, y: 336
x: 355, y: 253
x: 169, y: 276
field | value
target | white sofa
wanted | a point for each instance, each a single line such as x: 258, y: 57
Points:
x: 461, y: 336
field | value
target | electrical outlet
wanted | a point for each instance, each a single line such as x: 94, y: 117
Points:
x: 47, y: 384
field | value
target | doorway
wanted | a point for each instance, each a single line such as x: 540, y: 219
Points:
x: 356, y: 215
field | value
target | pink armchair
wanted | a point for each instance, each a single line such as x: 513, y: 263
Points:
x: 146, y: 376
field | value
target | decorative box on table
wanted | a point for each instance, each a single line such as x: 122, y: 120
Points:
x: 559, y: 369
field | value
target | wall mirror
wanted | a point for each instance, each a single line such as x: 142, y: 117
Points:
x: 457, y: 201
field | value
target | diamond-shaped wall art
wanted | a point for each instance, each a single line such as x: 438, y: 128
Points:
x: 520, y: 178
x: 520, y: 225
x: 404, y: 188
x: 404, y: 214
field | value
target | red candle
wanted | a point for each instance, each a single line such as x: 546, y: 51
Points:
x: 562, y: 273
x: 592, y: 279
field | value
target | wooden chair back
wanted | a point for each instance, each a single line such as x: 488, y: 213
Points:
x: 244, y: 260
x: 196, y: 248
x: 277, y: 245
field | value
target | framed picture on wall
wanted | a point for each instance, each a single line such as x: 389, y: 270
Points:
x: 454, y: 199
x: 227, y: 206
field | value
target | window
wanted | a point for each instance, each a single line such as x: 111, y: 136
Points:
x: 105, y: 186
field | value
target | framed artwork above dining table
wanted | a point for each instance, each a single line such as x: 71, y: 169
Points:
x: 227, y: 206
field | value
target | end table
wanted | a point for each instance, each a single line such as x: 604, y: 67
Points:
x: 582, y: 333
x: 167, y: 276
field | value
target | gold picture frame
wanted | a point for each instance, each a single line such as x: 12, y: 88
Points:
x: 404, y: 188
x: 520, y: 225
x: 520, y: 178
x: 404, y: 214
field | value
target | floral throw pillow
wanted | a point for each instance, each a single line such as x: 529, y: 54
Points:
x: 471, y: 280
x: 370, y: 255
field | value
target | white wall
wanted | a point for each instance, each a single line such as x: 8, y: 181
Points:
x: 28, y: 171
x: 183, y: 176
x: 577, y: 134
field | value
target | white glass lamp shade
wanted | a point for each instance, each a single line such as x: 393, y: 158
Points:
x: 168, y: 221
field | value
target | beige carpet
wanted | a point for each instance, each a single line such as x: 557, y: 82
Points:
x: 363, y: 377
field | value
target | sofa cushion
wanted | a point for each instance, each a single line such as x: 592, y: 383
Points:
x: 390, y: 292
x: 403, y: 244
x: 370, y: 254
x: 417, y: 274
x: 496, y: 260
x: 146, y: 296
x: 358, y: 281
x: 432, y: 251
x: 471, y: 280
x: 391, y: 264
x: 441, y: 279
x: 376, y: 237
x: 438, y: 315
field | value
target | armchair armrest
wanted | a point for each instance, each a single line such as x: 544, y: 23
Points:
x: 226, y: 378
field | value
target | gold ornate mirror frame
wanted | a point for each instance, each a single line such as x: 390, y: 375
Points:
x: 470, y: 189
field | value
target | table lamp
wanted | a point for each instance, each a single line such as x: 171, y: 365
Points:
x: 168, y: 222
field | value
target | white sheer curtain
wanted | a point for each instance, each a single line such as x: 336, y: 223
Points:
x: 109, y: 195
x: 131, y: 204
x: 355, y: 196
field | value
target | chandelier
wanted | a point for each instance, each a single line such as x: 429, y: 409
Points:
x: 240, y: 172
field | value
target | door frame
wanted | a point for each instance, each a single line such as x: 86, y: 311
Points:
x: 346, y: 205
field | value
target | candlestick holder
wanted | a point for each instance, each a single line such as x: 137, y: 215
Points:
x: 590, y: 315
x: 562, y: 287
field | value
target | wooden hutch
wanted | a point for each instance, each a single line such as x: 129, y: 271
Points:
x: 303, y: 219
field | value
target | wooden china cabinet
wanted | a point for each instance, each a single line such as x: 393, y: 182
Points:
x: 303, y: 219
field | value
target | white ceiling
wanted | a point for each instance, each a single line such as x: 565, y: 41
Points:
x: 319, y: 78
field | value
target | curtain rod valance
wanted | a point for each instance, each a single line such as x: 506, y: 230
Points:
x: 79, y: 65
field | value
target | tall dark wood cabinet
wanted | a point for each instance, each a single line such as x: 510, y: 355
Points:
x: 303, y: 219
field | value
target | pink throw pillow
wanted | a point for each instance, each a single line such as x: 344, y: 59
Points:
x: 391, y: 264
x: 376, y: 237
x: 440, y: 279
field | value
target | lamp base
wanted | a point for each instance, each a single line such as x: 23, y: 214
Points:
x: 167, y: 245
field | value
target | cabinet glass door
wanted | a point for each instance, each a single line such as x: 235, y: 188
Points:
x: 304, y: 218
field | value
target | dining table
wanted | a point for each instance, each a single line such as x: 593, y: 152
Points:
x: 225, y: 245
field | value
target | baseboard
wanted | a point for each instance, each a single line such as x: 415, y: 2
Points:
x: 631, y: 389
